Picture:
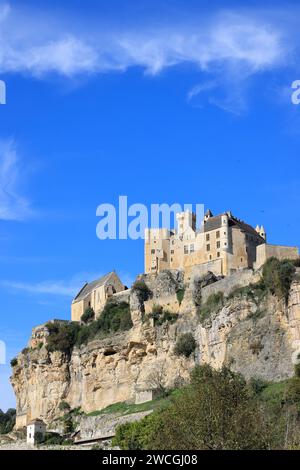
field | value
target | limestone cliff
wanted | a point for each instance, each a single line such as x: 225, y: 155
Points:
x: 255, y: 338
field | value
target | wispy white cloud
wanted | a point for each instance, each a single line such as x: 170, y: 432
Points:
x: 228, y: 48
x: 225, y: 37
x: 67, y: 288
x: 13, y: 205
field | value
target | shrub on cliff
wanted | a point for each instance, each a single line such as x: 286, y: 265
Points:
x: 180, y: 295
x: 213, y: 303
x: 160, y: 316
x: 278, y: 276
x: 142, y: 290
x: 88, y: 315
x: 64, y: 406
x: 185, y: 345
x: 62, y: 336
x: 114, y: 317
x: 14, y: 362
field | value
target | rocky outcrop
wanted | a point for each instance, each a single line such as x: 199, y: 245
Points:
x: 258, y: 339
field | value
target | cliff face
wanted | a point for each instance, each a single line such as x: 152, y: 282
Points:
x: 257, y: 340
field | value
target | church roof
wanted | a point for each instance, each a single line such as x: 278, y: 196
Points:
x: 90, y: 286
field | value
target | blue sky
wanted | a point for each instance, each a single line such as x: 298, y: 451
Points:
x: 162, y: 101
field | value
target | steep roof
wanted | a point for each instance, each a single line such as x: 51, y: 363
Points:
x: 89, y: 287
x: 213, y: 223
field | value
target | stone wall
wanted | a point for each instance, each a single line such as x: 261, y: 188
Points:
x: 226, y: 285
x: 266, y: 251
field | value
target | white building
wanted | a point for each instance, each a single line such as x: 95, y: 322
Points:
x: 34, y: 427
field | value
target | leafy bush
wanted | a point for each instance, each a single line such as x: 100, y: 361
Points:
x: 142, y: 290
x: 88, y: 315
x: 213, y: 303
x: 185, y: 345
x: 296, y: 262
x: 115, y: 317
x: 180, y: 295
x: 255, y: 292
x: 69, y: 425
x: 278, y: 276
x: 62, y: 336
x: 257, y: 385
x: 53, y: 439
x: 161, y: 316
x: 64, y: 406
x: 217, y: 406
x: 14, y: 362
x: 7, y: 420
x: 135, y: 435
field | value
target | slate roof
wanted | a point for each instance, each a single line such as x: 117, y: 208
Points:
x: 89, y: 287
x: 213, y: 223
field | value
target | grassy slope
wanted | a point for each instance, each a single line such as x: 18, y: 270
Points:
x: 123, y: 408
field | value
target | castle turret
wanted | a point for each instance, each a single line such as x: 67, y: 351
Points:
x: 207, y: 215
x: 262, y: 232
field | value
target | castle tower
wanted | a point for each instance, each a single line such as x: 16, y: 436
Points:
x: 185, y: 220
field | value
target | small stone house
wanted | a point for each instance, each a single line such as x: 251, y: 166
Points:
x: 95, y: 295
x: 35, y: 427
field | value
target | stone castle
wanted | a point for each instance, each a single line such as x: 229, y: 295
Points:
x: 224, y: 244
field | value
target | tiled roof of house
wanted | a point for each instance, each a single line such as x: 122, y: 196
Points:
x: 89, y: 287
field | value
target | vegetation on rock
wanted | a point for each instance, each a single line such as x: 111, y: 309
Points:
x: 88, y: 315
x: 7, y: 420
x: 180, y: 295
x: 213, y: 304
x: 14, y: 362
x: 185, y: 345
x: 142, y: 290
x: 278, y: 276
x: 63, y: 336
x: 161, y: 316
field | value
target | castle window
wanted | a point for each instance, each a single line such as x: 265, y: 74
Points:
x: 207, y: 247
x: 218, y: 254
x: 152, y: 252
x: 225, y: 243
x: 172, y: 252
x: 171, y: 259
x: 186, y: 249
x: 218, y: 234
x: 207, y: 237
x: 210, y: 257
x: 218, y: 244
x: 192, y: 249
